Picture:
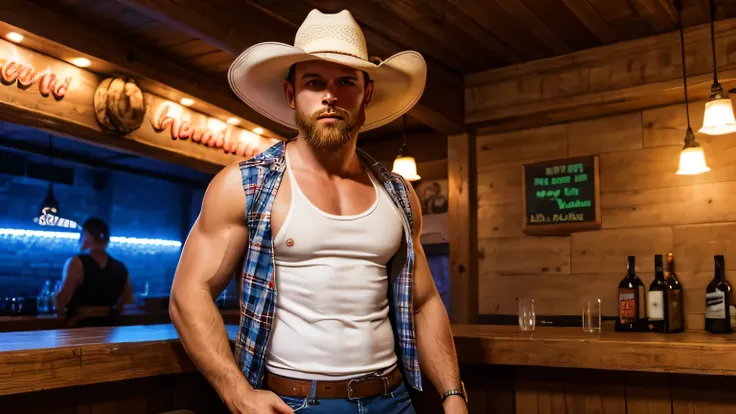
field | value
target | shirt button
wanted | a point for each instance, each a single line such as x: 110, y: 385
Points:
x: 289, y: 242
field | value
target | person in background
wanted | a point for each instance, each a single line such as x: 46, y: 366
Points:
x: 93, y: 278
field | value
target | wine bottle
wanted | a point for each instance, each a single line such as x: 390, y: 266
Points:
x: 718, y: 300
x: 631, y: 302
x: 675, y: 303
x: 657, y: 307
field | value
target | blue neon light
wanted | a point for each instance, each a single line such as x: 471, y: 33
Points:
x: 59, y: 236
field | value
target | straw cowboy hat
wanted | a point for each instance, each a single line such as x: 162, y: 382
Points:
x: 257, y: 75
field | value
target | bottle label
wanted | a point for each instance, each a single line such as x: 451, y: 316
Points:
x: 626, y: 305
x: 715, y: 306
x: 675, y: 304
x: 655, y: 309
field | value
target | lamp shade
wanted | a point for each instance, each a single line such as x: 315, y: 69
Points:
x: 406, y: 166
x: 718, y: 118
x: 692, y: 161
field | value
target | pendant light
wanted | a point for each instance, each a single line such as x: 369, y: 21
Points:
x: 719, y: 117
x: 404, y: 164
x: 692, y: 158
x: 49, y: 204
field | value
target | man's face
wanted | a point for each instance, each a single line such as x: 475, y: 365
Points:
x: 330, y: 101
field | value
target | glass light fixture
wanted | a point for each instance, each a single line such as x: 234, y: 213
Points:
x: 718, y: 118
x: 404, y: 164
x: 692, y: 158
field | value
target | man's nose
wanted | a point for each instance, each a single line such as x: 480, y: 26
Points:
x: 329, y: 98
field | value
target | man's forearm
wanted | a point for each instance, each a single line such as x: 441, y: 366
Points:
x: 203, y: 333
x: 435, y: 346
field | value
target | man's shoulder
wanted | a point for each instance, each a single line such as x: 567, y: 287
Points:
x: 266, y: 158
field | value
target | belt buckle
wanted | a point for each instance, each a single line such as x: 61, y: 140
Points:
x: 384, y: 380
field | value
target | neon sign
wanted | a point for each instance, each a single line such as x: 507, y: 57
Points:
x: 26, y: 75
x: 48, y: 219
x: 216, y: 134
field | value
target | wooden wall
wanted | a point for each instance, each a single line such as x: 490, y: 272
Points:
x: 646, y: 210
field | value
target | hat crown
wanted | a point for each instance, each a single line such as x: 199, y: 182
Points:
x: 331, y: 33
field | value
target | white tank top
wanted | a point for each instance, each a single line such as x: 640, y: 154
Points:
x: 331, y: 320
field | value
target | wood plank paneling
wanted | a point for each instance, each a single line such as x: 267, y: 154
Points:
x: 511, y: 256
x: 648, y: 393
x: 703, y: 395
x: 705, y: 203
x: 500, y: 185
x: 667, y: 125
x: 696, y: 245
x: 605, y: 251
x: 552, y: 294
x: 527, y: 145
x: 602, y: 135
x: 500, y: 221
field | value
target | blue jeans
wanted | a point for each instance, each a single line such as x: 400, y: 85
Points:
x: 397, y: 402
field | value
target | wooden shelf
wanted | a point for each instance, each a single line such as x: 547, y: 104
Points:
x: 685, y: 353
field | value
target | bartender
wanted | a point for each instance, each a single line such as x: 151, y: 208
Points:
x: 93, y: 278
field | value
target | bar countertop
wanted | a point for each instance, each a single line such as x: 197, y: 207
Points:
x: 38, y: 360
x: 694, y: 352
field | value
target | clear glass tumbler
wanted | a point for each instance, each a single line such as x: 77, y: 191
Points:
x: 527, y: 315
x: 592, y: 316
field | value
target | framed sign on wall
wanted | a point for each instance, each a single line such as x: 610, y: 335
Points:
x: 561, y: 196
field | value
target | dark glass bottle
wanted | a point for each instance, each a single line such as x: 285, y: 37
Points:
x: 675, y: 300
x: 631, y: 302
x: 657, y: 307
x: 718, y: 300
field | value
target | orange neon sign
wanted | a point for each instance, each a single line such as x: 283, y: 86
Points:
x: 182, y: 129
x: 26, y: 75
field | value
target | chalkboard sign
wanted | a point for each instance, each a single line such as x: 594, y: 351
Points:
x: 561, y: 196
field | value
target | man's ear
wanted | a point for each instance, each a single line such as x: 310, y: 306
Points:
x: 368, y: 94
x: 289, y: 94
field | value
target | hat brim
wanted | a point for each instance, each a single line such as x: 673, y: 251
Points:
x: 258, y: 74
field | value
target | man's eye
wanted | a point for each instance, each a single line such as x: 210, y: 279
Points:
x: 347, y: 82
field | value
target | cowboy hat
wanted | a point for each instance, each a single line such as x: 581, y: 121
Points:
x: 257, y: 75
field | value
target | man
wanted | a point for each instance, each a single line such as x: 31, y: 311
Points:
x: 338, y: 308
x: 93, y: 278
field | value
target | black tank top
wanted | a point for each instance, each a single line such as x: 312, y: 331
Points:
x: 101, y: 286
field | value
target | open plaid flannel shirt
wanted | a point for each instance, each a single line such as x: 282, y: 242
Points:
x: 261, y: 177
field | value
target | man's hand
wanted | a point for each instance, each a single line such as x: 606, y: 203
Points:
x: 259, y: 402
x: 455, y: 404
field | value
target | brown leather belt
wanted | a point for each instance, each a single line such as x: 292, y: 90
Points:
x: 361, y: 387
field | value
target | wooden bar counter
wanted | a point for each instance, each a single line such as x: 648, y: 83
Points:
x: 552, y: 370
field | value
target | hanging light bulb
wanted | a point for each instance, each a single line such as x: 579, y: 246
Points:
x: 404, y: 164
x: 718, y: 118
x: 692, y: 158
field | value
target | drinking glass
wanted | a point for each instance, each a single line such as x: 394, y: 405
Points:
x: 527, y: 315
x: 592, y: 316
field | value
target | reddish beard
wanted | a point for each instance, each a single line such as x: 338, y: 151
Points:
x: 329, y: 137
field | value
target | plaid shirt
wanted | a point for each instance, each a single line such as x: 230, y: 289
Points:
x: 261, y: 177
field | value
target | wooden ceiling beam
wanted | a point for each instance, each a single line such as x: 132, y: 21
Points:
x: 584, y: 11
x: 441, y: 106
x: 152, y: 71
x: 535, y: 25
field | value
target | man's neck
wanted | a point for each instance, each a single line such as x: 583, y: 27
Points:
x: 344, y: 163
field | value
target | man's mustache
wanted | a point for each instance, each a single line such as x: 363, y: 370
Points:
x: 332, y: 110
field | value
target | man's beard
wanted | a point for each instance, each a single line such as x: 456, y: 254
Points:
x: 331, y: 137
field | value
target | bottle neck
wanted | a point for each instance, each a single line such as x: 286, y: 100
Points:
x: 720, y: 273
x: 658, y: 268
x: 631, y: 268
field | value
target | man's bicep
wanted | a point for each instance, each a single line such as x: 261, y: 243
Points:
x: 218, y: 238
